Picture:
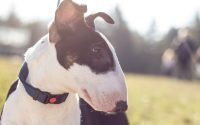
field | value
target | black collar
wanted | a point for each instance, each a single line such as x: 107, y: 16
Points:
x: 37, y: 94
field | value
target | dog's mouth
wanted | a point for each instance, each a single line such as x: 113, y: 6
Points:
x: 87, y: 96
x: 104, y: 105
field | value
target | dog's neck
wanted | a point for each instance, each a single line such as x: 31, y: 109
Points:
x: 45, y: 72
x: 66, y: 113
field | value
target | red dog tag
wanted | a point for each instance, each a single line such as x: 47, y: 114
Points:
x: 53, y: 100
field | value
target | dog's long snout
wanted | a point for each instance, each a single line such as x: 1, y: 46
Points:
x: 121, y: 106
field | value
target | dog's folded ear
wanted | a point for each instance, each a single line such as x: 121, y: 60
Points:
x: 91, y: 18
x: 66, y: 15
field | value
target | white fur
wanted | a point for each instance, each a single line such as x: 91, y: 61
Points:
x: 47, y: 74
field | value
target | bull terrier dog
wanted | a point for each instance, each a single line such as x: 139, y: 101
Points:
x: 71, y: 76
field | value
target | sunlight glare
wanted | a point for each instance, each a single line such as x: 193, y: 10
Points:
x: 139, y: 14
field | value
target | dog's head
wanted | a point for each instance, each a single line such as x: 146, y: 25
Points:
x: 88, y: 56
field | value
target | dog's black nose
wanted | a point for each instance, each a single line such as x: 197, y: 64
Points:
x: 121, y: 106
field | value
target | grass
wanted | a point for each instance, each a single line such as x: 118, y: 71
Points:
x: 153, y: 100
x: 9, y: 68
x: 162, y: 101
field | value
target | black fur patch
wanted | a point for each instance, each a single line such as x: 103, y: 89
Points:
x: 11, y: 90
x: 91, y: 117
x: 83, y: 45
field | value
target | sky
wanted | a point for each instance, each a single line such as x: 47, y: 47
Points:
x: 139, y: 14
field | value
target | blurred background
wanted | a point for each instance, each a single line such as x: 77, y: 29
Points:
x: 157, y: 43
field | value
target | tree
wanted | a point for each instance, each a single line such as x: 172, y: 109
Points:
x: 122, y: 41
x: 152, y: 31
x: 13, y: 20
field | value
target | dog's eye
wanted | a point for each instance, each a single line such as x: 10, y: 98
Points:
x: 95, y: 49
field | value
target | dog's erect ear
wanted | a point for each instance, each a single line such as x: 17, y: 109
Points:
x: 66, y: 15
x: 90, y: 19
x: 68, y: 12
x: 53, y: 32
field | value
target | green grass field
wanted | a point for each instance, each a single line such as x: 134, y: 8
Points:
x: 153, y: 100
